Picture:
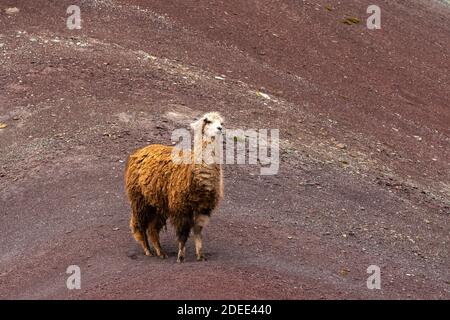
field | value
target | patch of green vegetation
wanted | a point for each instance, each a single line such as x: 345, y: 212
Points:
x: 351, y: 20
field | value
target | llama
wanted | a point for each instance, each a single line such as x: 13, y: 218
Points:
x: 186, y: 193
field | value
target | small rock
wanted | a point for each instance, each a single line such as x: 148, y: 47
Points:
x: 116, y: 229
x: 3, y: 125
x: 341, y: 146
x: 264, y: 95
x: 12, y: 10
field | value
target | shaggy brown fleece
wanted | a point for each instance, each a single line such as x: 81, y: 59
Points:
x: 159, y: 189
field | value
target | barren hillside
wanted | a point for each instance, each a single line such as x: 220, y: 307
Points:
x: 364, y: 127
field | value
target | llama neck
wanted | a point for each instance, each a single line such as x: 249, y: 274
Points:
x: 207, y: 179
x: 207, y: 176
x: 207, y: 153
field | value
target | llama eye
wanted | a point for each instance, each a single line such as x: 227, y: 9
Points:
x: 207, y: 121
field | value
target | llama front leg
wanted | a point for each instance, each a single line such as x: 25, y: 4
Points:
x: 181, y: 251
x: 198, y: 243
x: 183, y: 235
x: 200, y: 221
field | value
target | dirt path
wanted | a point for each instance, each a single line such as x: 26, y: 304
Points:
x: 363, y: 118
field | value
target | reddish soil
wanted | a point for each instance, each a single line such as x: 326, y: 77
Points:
x: 364, y: 124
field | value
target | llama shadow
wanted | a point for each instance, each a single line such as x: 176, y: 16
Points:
x: 137, y: 253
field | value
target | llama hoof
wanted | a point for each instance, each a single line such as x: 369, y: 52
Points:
x: 163, y: 255
x: 148, y: 253
x: 201, y: 258
x: 180, y: 259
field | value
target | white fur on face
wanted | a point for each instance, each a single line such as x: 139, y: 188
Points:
x: 213, y: 128
x: 212, y: 124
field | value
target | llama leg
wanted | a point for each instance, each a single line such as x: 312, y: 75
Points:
x: 181, y: 251
x: 200, y: 222
x: 140, y: 235
x: 183, y: 235
x: 198, y: 243
x: 154, y: 238
x: 146, y: 245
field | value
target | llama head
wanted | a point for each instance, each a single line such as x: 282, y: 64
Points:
x: 210, y: 125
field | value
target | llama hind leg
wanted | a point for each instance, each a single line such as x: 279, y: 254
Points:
x: 140, y: 235
x: 154, y: 229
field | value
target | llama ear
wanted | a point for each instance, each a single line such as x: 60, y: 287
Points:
x: 195, y: 123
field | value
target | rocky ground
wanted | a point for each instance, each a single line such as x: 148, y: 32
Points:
x: 364, y: 127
